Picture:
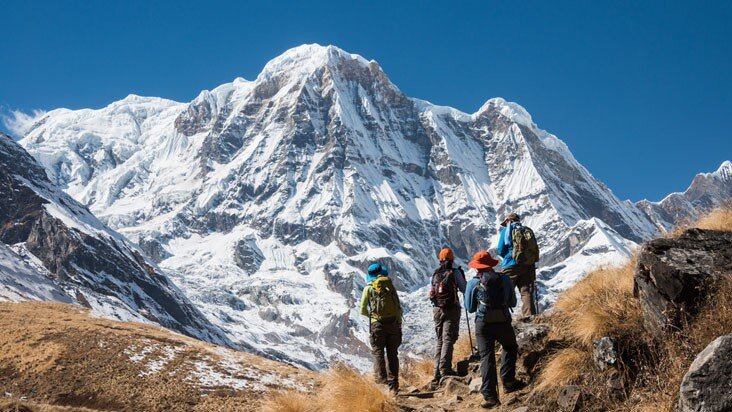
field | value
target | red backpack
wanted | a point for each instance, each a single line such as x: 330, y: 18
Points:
x: 444, y: 290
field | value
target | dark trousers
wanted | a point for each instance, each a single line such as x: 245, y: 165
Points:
x: 487, y: 334
x: 386, y: 336
x: 524, y: 278
x: 447, y: 330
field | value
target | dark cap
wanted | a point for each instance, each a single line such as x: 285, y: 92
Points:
x: 513, y: 217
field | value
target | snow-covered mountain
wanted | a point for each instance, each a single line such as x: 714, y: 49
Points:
x: 53, y: 248
x: 707, y: 191
x: 265, y: 200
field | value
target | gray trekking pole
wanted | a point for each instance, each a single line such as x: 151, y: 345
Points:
x: 470, y: 335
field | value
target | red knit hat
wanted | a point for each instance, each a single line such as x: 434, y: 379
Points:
x: 482, y: 260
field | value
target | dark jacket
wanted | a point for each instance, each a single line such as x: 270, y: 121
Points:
x: 475, y: 294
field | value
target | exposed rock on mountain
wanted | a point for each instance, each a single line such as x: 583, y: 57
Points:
x: 62, y: 252
x: 674, y: 276
x: 281, y: 190
x: 707, y: 386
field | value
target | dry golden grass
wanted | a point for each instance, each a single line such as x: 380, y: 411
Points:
x: 58, y: 355
x: 290, y: 401
x: 600, y: 305
x: 720, y: 219
x: 344, y: 389
x: 417, y: 372
x: 566, y: 366
x: 340, y: 389
x: 462, y: 348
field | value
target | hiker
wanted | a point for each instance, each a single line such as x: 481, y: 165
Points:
x: 447, y: 281
x: 520, y: 252
x: 380, y: 303
x: 490, y: 295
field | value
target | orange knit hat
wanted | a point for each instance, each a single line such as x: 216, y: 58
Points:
x: 446, y: 254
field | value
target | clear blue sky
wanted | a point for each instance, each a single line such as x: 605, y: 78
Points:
x: 640, y: 91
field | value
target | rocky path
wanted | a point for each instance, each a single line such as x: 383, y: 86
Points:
x: 461, y: 393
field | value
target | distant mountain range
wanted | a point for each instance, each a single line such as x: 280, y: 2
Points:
x: 265, y: 200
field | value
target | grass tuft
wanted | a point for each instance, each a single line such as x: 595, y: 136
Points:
x: 340, y: 389
x: 291, y: 401
x: 565, y: 367
x: 600, y: 305
x: 417, y: 372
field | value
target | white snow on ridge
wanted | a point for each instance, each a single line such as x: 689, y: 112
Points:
x: 264, y: 200
x: 21, y: 279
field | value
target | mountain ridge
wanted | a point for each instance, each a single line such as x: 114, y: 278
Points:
x: 265, y: 200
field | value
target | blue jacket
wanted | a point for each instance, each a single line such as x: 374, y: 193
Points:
x: 473, y: 298
x: 505, y: 246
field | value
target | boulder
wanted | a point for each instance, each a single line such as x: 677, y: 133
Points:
x: 673, y: 276
x: 454, y: 387
x: 533, y: 345
x: 707, y: 385
x: 604, y: 353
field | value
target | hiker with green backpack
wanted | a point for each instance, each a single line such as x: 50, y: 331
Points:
x: 518, y: 247
x: 380, y: 303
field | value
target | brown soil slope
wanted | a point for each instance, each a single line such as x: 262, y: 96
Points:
x: 54, y: 356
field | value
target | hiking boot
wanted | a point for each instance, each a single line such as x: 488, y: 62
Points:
x: 451, y: 372
x: 490, y: 402
x: 513, y: 386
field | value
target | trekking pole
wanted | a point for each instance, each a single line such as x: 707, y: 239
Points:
x: 470, y: 335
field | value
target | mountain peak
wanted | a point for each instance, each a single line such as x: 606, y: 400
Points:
x: 308, y: 57
x: 725, y: 170
x: 513, y: 111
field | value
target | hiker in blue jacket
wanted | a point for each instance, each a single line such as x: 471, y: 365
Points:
x: 522, y: 273
x: 490, y: 296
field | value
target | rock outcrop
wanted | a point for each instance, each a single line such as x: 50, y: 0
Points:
x: 675, y: 275
x: 707, y: 386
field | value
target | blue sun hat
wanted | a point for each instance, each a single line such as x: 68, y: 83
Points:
x: 376, y: 270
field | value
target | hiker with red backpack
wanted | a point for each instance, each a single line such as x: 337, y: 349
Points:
x: 380, y: 302
x: 447, y: 281
x: 490, y: 296
x: 518, y: 247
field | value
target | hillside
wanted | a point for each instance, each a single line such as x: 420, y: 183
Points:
x: 57, y: 355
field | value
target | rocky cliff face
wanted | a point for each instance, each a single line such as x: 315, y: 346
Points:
x: 265, y: 200
x: 675, y: 276
x: 60, y: 251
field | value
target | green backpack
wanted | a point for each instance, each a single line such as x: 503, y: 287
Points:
x: 383, y: 299
x: 525, y: 248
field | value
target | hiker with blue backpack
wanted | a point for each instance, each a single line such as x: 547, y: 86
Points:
x: 490, y: 296
x: 518, y: 247
x: 380, y: 303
